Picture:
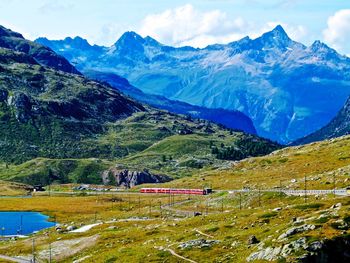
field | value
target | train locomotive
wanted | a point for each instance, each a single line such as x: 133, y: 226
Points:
x: 176, y: 191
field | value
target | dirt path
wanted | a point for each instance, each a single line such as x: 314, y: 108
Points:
x: 179, y: 256
x: 203, y: 234
x: 14, y: 259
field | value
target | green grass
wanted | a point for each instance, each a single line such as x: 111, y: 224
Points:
x: 313, y: 206
x: 136, y: 241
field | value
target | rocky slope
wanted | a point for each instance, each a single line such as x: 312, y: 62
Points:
x: 41, y: 54
x: 282, y: 85
x: 128, y: 179
x: 49, y: 112
x: 339, y: 126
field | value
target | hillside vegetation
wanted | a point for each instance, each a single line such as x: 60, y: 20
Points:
x: 323, y: 164
x: 154, y: 140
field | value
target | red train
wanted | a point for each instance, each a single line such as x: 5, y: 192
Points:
x: 175, y: 191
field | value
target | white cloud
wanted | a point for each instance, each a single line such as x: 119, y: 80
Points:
x: 52, y: 6
x: 337, y: 34
x: 108, y: 33
x: 186, y: 25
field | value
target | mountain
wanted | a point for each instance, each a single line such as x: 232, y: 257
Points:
x: 41, y: 54
x: 282, y: 85
x: 78, y: 49
x: 44, y: 112
x: 229, y: 118
x: 338, y: 126
x: 66, y: 126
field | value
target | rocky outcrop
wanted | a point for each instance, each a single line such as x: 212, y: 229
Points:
x: 128, y: 179
x: 274, y: 253
x: 296, y: 230
x: 334, y: 250
x: 22, y: 106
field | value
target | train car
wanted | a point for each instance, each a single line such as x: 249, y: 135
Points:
x: 175, y: 191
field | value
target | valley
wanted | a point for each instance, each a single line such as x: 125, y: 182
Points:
x: 230, y: 137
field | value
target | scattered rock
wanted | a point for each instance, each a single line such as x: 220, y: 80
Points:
x: 71, y: 228
x: 252, y: 240
x: 295, y: 230
x: 198, y: 243
x: 277, y: 209
x: 315, y: 246
x: 235, y: 244
x: 274, y: 253
x: 268, y: 253
x: 293, y: 246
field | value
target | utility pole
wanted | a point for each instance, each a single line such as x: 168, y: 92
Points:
x: 50, y: 254
x: 305, y: 189
x: 129, y: 205
x: 150, y: 208
x: 160, y: 208
x: 334, y: 184
x: 33, y: 250
x: 50, y: 175
x: 139, y: 205
x: 281, y: 189
x: 240, y: 201
x: 222, y: 205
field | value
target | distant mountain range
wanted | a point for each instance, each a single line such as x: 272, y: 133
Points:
x: 289, y: 90
x: 229, y: 118
x: 48, y: 109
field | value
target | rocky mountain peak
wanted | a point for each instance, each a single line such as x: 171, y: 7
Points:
x: 130, y: 38
x: 151, y: 41
x: 319, y: 46
x: 275, y: 38
x: 77, y: 42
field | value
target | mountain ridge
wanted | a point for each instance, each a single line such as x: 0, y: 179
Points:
x: 282, y: 85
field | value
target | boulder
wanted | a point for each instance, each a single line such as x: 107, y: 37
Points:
x: 128, y: 179
x: 295, y: 230
x: 252, y: 240
x: 71, y: 228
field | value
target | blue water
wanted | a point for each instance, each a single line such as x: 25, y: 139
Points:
x: 11, y: 222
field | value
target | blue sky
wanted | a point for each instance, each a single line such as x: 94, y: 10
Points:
x: 181, y: 22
